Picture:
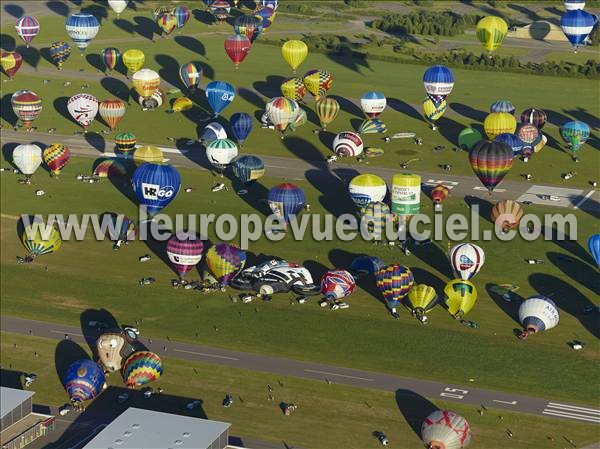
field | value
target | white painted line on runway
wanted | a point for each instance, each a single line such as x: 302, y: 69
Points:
x: 172, y: 150
x: 571, y: 416
x: 592, y: 411
x: 505, y: 402
x: 584, y: 199
x: 203, y: 354
x: 66, y: 333
x: 338, y: 375
x: 275, y: 166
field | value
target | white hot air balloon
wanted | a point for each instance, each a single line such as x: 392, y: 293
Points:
x: 27, y: 158
x: 444, y: 429
x: 82, y: 28
x: 213, y: 131
x: 221, y: 152
x: 571, y: 5
x: 347, y: 144
x: 367, y: 188
x: 118, y: 6
x: 83, y: 108
x: 537, y: 314
x: 466, y: 260
x: 282, y: 112
x: 373, y: 103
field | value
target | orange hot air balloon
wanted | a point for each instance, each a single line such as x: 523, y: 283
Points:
x: 112, y: 111
x: 439, y: 193
x: 507, y: 214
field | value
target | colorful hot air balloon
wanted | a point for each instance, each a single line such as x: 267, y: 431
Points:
x: 432, y: 113
x: 83, y: 380
x: 347, y: 144
x: 27, y: 28
x: 155, y: 186
x: 27, y: 157
x: 221, y: 152
x: 182, y: 14
x: 537, y: 314
x: 460, y: 297
x: 367, y: 188
x: 110, y: 57
x: 337, y: 284
x: 56, y: 157
x: 145, y: 82
x: 82, y: 28
x: 133, y: 60
x: 301, y: 119
x: 27, y: 106
x: 294, y: 52
x: 438, y: 81
x: 286, y: 201
x: 212, y: 132
x: 394, y: 282
x: 40, y: 239
x: 125, y: 142
x: 577, y: 25
x: 294, y: 89
x: 594, y: 247
x: 118, y: 6
x: 317, y: 82
x: 159, y: 11
x: 499, y: 123
x: 249, y: 26
x: 237, y: 47
x: 502, y: 106
x: 148, y: 153
x: 272, y: 4
x: 267, y: 15
x: 421, y: 298
x: 83, y: 108
x: 282, y: 111
x: 220, y: 9
x: 109, y: 168
x: 219, y: 95
x: 512, y: 140
x: 248, y: 168
x: 241, y: 126
x: 167, y: 22
x: 59, y: 52
x: 365, y: 265
x: 373, y: 103
x: 439, y: 193
x: 468, y: 137
x: 225, y: 261
x: 491, y: 161
x: 372, y: 126
x: 327, y: 110
x: 530, y: 136
x: 373, y: 219
x: 536, y: 117
x: 11, y: 62
x: 140, y: 368
x: 491, y: 31
x: 575, y: 133
x: 190, y: 75
x: 507, y: 214
x: 185, y: 252
x: 466, y: 260
x: 444, y: 429
x: 112, y: 111
x: 574, y: 4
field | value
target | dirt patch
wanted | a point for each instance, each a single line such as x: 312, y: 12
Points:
x: 66, y: 302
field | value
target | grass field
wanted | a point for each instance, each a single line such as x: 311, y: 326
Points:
x: 329, y: 411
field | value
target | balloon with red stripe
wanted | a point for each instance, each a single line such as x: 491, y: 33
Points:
x: 237, y: 48
x: 466, y: 260
x: 112, y: 111
x: 27, y: 28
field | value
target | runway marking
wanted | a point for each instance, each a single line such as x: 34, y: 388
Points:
x: 571, y: 416
x: 505, y: 402
x: 203, y: 354
x: 66, y: 333
x: 336, y: 374
x: 584, y: 199
x: 572, y: 412
x: 484, y: 189
x: 275, y: 166
x: 592, y: 411
x: 172, y: 150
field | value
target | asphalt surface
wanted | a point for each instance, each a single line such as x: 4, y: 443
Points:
x: 327, y: 373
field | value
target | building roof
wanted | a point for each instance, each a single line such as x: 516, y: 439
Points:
x: 146, y: 429
x: 10, y: 398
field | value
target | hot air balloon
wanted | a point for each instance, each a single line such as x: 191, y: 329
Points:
x: 248, y: 168
x: 148, y: 153
x: 294, y: 89
x: 499, y: 123
x: 491, y: 31
x: 182, y: 14
x: 109, y: 168
x: 27, y: 28
x: 237, y: 47
x: 26, y: 106
x: 140, y: 368
x: 155, y: 100
x: 301, y: 119
x: 394, y: 282
x: 294, y: 52
x: 185, y: 252
x: 541, y: 144
x: 118, y: 6
x: 575, y: 133
x: 110, y: 57
x: 39, y: 239
x: 241, y: 126
x: 155, y: 186
x: 373, y: 103
x: 286, y: 201
x: 577, y: 25
x: 373, y: 220
x: 347, y: 144
x: 56, y: 157
x: 122, y: 229
x: 11, y: 62
x: 574, y: 4
x: 27, y: 157
x: 272, y: 4
x: 190, y: 75
x: 219, y: 94
x: 536, y: 117
x: 367, y: 188
x: 460, y: 297
x: 529, y: 136
x: 83, y: 108
x: 113, y: 347
x: 182, y: 104
x: 468, y: 137
x: 167, y: 22
x: 112, y: 111
x: 438, y: 81
x: 221, y: 152
x: 466, y: 260
x: 365, y: 265
x: 327, y: 110
x: 282, y: 111
x: 317, y: 82
x: 133, y: 60
x: 537, y: 314
x: 502, y: 106
x: 225, y: 261
x: 491, y: 161
x: 267, y: 15
x: 337, y: 284
x: 212, y: 132
x: 421, y: 298
x: 432, y: 113
x: 125, y: 142
x: 59, y: 52
x: 145, y: 82
x: 512, y: 140
x: 594, y: 247
x: 220, y: 9
x: 372, y: 126
x: 249, y: 26
x: 159, y: 11
x: 439, y: 193
x: 83, y: 380
x: 507, y: 214
x: 82, y: 28
x: 444, y: 429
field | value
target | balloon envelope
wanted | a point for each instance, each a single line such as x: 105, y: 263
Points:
x: 366, y: 265
x: 112, y: 111
x: 337, y: 284
x: 27, y: 157
x: 225, y: 261
x: 438, y: 81
x: 460, y: 297
x: 468, y: 137
x: 347, y: 144
x: 219, y: 94
x: 148, y: 153
x: 248, y: 168
x: 82, y: 28
x: 83, y: 380
x: 185, y: 252
x: 190, y: 75
x: 11, y: 62
x: 594, y: 247
x: 125, y: 141
x: 507, y: 214
x: 421, y: 298
x: 83, y: 108
x: 26, y: 105
x: 56, y: 157
x: 491, y: 161
x: 575, y: 133
x: 499, y: 123
x: 577, y: 25
x: 140, y: 368
x: 27, y: 28
x: 327, y: 110
x: 502, y: 106
x: 294, y: 52
x: 110, y: 57
x: 512, y: 140
x: 221, y: 152
x: 237, y: 47
x: 294, y: 89
x: 282, y: 112
x: 466, y: 259
x: 491, y: 31
x: 373, y: 103
x: 394, y: 282
x: 40, y: 239
x: 145, y: 82
x: 212, y: 132
x: 286, y: 201
x: 367, y: 188
x: 133, y: 60
x: 536, y: 117
x: 318, y: 82
x: 538, y: 314
x: 444, y: 429
x: 155, y: 186
x: 241, y: 126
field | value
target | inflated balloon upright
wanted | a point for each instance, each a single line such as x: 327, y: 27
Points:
x: 82, y: 28
x: 83, y: 380
x: 241, y: 126
x: 537, y: 314
x: 439, y: 82
x: 56, y: 157
x: 219, y: 95
x: 491, y: 31
x: 294, y: 52
x: 27, y: 28
x: 83, y: 108
x: 237, y: 48
x: 249, y: 26
x: 11, y: 62
x: 27, y: 106
x: 248, y: 169
x: 155, y: 186
x: 140, y: 368
x: 491, y: 161
x: 185, y: 252
x: 39, y: 239
x: 286, y: 201
x: 394, y: 282
x: 59, y: 52
x: 577, y: 25
x: 466, y: 260
x: 575, y: 134
x: 27, y: 157
x: 445, y: 429
x: 111, y: 57
x: 225, y: 261
x: 190, y: 75
x: 594, y: 247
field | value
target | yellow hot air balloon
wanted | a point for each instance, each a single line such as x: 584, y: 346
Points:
x: 498, y: 123
x: 327, y: 110
x: 182, y: 104
x: 491, y: 31
x: 421, y: 298
x: 39, y: 239
x: 460, y: 297
x: 432, y: 113
x: 145, y: 82
x: 134, y: 60
x: 147, y: 154
x: 294, y: 52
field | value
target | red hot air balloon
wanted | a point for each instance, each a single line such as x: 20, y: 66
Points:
x: 237, y: 48
x: 438, y: 194
x: 184, y: 251
x: 11, y: 62
x: 26, y: 106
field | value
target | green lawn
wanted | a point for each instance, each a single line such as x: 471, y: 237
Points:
x: 329, y: 411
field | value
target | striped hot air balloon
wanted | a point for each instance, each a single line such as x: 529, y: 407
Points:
x: 221, y: 152
x: 294, y: 89
x: 182, y: 14
x: 535, y: 117
x: 241, y: 126
x: 27, y: 28
x: 491, y: 161
x: 373, y: 219
x: 167, y: 22
x: 110, y: 57
x: 502, y: 106
x: 491, y: 31
x: 372, y: 126
x: 537, y: 314
x: 11, y: 62
x: 133, y: 60
x: 190, y: 75
x: 185, y: 252
x: 148, y: 153
x: 577, y: 25
x: 248, y: 168
x: 82, y: 28
x: 439, y: 82
x: 249, y: 26
x: 281, y: 112
x: 109, y: 168
x: 27, y: 106
x: 83, y: 380
x: 40, y: 239
x: 140, y: 368
x: 433, y: 113
x: 318, y: 82
x: 347, y: 144
x: 125, y: 142
x: 59, y: 52
x: 498, y: 123
x: 112, y: 111
x: 286, y: 201
x: 394, y: 282
x: 512, y: 140
x: 575, y: 133
x: 294, y: 52
x: 225, y: 261
x: 530, y: 136
x: 237, y: 47
x: 507, y: 214
x: 327, y: 110
x: 219, y: 95
x: 56, y: 157
x: 421, y: 298
x: 466, y: 260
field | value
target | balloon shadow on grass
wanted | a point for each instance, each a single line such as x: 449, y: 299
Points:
x: 95, y: 140
x: 7, y: 43
x: 270, y: 87
x: 116, y: 88
x: 348, y: 106
x: 105, y: 322
x: 414, y: 408
x: 306, y: 151
x: 556, y: 118
x: 203, y: 16
x: 145, y: 27
x: 60, y: 8
x: 468, y: 112
x: 97, y: 10
x: 449, y: 129
x: 169, y: 70
x: 510, y: 308
x: 67, y: 352
x: 256, y: 196
x: 576, y: 270
x: 483, y: 206
x: 7, y: 151
x: 15, y: 10
x: 7, y: 111
x: 60, y: 106
x: 95, y: 60
x: 326, y: 138
x: 317, y: 269
x: 253, y: 98
x: 434, y: 257
x: 565, y: 242
x: 192, y: 44
x: 584, y: 116
x: 427, y: 277
x: 125, y: 25
x: 30, y: 55
x: 404, y: 108
x: 11, y: 379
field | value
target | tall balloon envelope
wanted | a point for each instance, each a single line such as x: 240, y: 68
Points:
x: 282, y: 112
x: 318, y: 82
x: 27, y: 157
x: 190, y: 74
x: 293, y: 88
x: 445, y: 429
x: 439, y: 82
x: 59, y: 52
x: 466, y: 260
x: 219, y: 95
x: 575, y: 133
x: 111, y: 57
x: 537, y: 314
x: 225, y: 261
x: 27, y: 28
x: 118, y: 6
x: 594, y: 247
x: 155, y: 186
x: 83, y: 108
x: 133, y: 60
x: 286, y: 201
x: 56, y: 157
x: 327, y: 110
x: 112, y: 111
x: 167, y: 22
x: 460, y: 297
x: 82, y: 28
x: 145, y: 82
x: 491, y: 161
x: 182, y: 14
x: 11, y: 62
x: 83, y: 380
x: 185, y: 252
x: 577, y: 25
x: 294, y: 52
x: 248, y: 168
x: 394, y: 282
x: 249, y: 26
x: 498, y: 123
x: 141, y: 368
x: 373, y: 103
x: 27, y: 106
x: 491, y: 31
x: 237, y: 47
x: 241, y: 126
x: 221, y: 152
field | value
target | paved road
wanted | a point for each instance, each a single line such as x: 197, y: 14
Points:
x: 317, y: 371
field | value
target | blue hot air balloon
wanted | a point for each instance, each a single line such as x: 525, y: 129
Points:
x: 512, y: 140
x: 219, y: 95
x: 577, y: 24
x: 594, y: 247
x: 363, y: 265
x: 155, y: 186
x: 241, y: 126
x: 286, y: 200
x: 248, y: 168
x: 82, y: 28
x: 438, y: 81
x: 83, y: 380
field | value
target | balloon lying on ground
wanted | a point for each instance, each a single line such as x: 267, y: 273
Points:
x: 56, y: 157
x: 155, y: 186
x: 444, y: 429
x: 537, y: 314
x: 225, y: 261
x: 83, y: 380
x: 40, y: 239
x: 365, y: 265
x: 109, y: 168
x: 141, y: 368
x: 182, y: 104
x: 460, y: 297
x: 372, y: 126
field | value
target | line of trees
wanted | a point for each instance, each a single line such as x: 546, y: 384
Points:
x: 446, y: 23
